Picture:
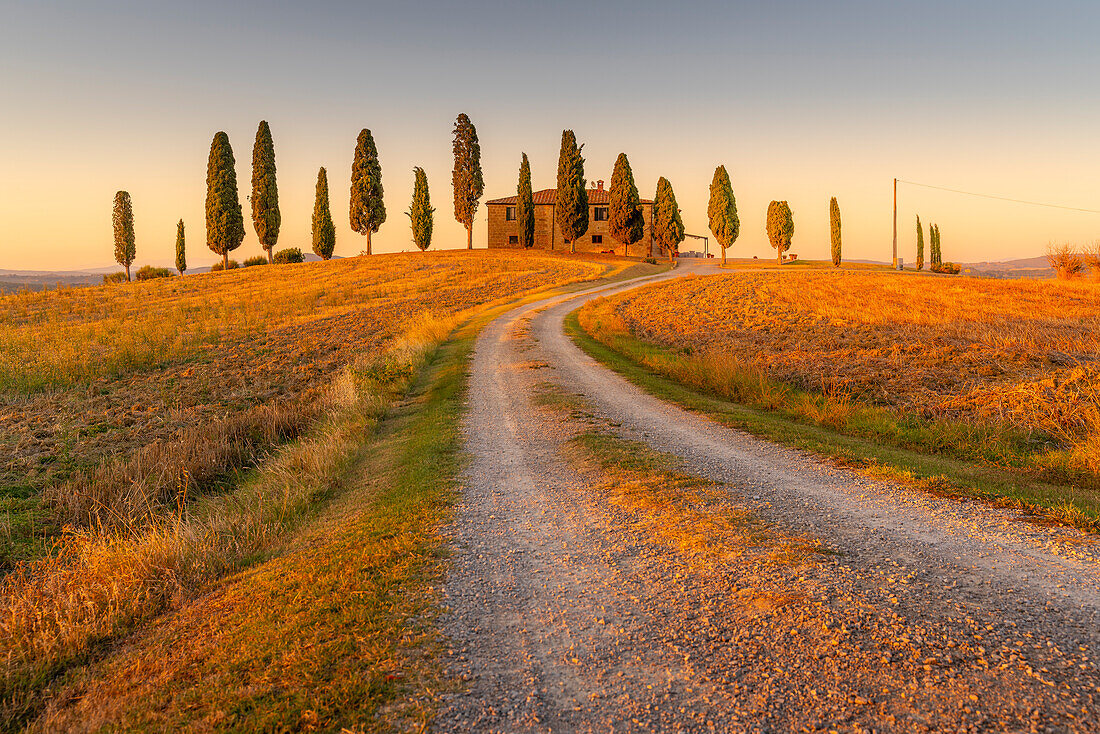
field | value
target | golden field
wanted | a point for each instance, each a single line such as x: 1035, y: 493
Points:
x: 191, y: 473
x: 103, y: 388
x: 1002, y: 372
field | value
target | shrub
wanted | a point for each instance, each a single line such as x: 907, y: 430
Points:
x: 254, y: 260
x: 1092, y: 259
x: 289, y: 255
x: 119, y: 277
x: 945, y: 268
x: 651, y: 260
x: 1066, y: 261
x: 148, y: 272
x: 233, y: 265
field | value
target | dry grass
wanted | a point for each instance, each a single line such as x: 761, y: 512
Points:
x: 1004, y: 372
x: 96, y: 584
x: 115, y: 400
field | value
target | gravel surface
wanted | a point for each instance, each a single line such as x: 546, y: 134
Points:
x: 926, y: 614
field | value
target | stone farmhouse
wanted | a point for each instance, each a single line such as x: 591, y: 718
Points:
x: 504, y: 231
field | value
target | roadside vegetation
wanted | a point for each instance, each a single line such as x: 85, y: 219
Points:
x: 997, y: 378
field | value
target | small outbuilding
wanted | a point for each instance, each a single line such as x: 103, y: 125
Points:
x: 504, y: 230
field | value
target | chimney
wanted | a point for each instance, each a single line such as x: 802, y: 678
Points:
x: 599, y: 185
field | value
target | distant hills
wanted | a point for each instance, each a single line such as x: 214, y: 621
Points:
x: 12, y: 281
x: 1027, y: 267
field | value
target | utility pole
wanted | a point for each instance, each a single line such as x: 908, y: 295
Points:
x: 895, y: 224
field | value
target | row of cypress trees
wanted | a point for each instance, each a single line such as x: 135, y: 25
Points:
x: 935, y: 254
x: 625, y: 220
x: 225, y: 220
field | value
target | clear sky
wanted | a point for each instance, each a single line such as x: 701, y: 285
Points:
x: 801, y: 100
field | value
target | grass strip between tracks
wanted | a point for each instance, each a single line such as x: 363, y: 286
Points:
x: 652, y: 368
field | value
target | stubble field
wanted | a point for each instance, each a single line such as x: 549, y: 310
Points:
x: 1004, y: 373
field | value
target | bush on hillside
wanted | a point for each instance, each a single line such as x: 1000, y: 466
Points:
x: 1066, y: 261
x: 148, y: 272
x: 945, y: 268
x: 289, y: 255
x: 233, y: 265
x: 651, y: 260
x: 119, y: 277
x: 255, y: 260
x: 1092, y: 259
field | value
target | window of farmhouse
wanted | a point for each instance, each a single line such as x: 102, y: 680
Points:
x: 513, y: 239
x: 509, y: 214
x: 597, y: 239
x: 600, y: 214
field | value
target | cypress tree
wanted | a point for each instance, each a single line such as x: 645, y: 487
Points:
x: 525, y: 209
x: 939, y: 247
x: 368, y: 211
x: 123, y: 220
x: 571, y: 207
x: 668, y: 226
x: 834, y: 230
x: 181, y: 249
x: 224, y: 219
x: 780, y: 228
x: 324, y: 233
x: 920, y: 245
x: 265, y: 192
x: 420, y: 211
x: 625, y: 221
x: 722, y: 211
x: 466, y: 178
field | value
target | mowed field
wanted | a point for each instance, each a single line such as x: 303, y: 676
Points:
x: 115, y: 399
x: 1002, y: 373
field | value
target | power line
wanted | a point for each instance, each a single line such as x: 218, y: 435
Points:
x: 1001, y: 198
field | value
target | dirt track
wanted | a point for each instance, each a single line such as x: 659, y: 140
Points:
x: 926, y: 615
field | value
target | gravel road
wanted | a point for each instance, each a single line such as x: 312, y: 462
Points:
x: 925, y: 614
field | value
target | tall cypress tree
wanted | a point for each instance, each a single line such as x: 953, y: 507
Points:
x: 834, y: 230
x: 122, y: 217
x: 224, y: 219
x: 920, y: 245
x: 722, y: 211
x: 525, y: 208
x: 668, y: 227
x: 324, y: 233
x: 466, y: 178
x: 265, y: 192
x: 420, y: 211
x: 181, y: 249
x: 571, y: 207
x: 368, y: 211
x: 625, y: 221
x: 780, y: 228
x: 938, y: 245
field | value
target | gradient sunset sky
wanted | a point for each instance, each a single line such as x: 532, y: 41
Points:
x: 800, y: 100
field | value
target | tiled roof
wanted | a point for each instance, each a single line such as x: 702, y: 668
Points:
x: 547, y: 196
